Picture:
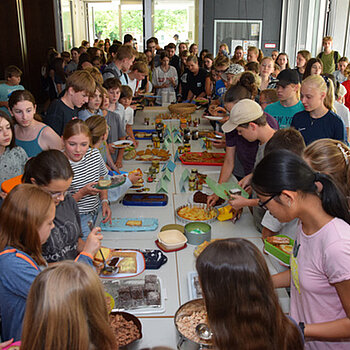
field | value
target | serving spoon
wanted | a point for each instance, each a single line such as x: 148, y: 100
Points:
x: 106, y: 268
x: 203, y: 331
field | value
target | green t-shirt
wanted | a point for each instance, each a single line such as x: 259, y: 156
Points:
x: 283, y: 115
x: 328, y: 61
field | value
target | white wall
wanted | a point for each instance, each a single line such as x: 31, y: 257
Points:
x: 338, y: 26
x: 302, y: 27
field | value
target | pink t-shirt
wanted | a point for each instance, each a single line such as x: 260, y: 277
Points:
x: 323, y: 259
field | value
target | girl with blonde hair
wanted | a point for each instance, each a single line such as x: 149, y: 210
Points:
x: 195, y: 78
x: 26, y: 220
x: 265, y: 70
x: 253, y: 54
x: 73, y: 316
x: 318, y: 121
x: 88, y: 168
x: 332, y: 158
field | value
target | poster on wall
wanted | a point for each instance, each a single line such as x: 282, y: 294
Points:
x: 235, y: 43
x: 247, y: 43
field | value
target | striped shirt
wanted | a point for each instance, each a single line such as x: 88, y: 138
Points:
x: 89, y: 169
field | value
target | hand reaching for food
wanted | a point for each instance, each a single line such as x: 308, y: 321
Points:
x: 93, y: 242
x: 212, y: 199
x: 134, y: 177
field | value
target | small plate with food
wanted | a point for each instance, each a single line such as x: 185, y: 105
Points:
x: 214, y: 117
x: 122, y: 143
x: 201, y: 100
x: 128, y: 263
x: 108, y: 182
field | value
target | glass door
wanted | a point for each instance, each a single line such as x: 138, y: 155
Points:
x: 67, y: 27
x: 175, y: 17
x: 116, y: 18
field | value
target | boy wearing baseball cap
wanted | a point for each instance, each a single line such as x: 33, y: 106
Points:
x: 288, y: 87
x: 250, y: 121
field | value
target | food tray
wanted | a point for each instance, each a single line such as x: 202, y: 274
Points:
x: 278, y: 253
x: 201, y: 163
x: 119, y: 225
x: 148, y: 131
x: 113, y: 185
x: 161, y: 247
x: 194, y: 289
x: 276, y: 259
x: 140, y: 262
x: 199, y: 206
x: 138, y: 306
x: 146, y: 199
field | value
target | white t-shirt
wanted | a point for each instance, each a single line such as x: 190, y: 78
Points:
x: 343, y: 112
x: 322, y: 259
x: 129, y: 116
x: 133, y: 84
x: 282, y: 228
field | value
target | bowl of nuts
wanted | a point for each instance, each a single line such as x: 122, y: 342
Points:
x: 187, y: 318
x: 126, y: 327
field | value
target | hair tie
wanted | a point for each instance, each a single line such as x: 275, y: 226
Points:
x: 345, y: 154
x: 326, y: 80
x: 317, y: 177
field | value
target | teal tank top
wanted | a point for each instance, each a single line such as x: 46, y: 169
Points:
x: 32, y: 147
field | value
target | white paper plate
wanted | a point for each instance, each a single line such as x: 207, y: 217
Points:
x: 140, y: 262
x: 122, y: 143
x: 213, y: 117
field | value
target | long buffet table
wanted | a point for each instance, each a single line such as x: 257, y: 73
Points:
x: 158, y: 329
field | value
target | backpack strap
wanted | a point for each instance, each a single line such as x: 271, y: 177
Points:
x: 109, y: 70
x: 335, y: 57
x: 126, y: 78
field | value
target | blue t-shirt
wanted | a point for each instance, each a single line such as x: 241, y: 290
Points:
x: 283, y: 115
x: 220, y: 88
x: 5, y: 92
x: 330, y: 126
x: 17, y: 273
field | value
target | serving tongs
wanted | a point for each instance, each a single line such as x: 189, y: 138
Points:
x: 107, y: 268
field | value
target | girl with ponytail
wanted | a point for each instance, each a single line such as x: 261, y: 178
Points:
x: 318, y: 121
x: 320, y: 262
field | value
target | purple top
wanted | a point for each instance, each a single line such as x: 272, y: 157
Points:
x: 245, y: 150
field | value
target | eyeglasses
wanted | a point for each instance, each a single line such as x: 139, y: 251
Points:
x: 56, y: 195
x: 263, y: 204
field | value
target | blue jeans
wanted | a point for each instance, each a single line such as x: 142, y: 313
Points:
x: 84, y: 219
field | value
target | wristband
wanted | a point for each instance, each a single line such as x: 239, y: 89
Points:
x: 302, y: 327
x: 105, y: 201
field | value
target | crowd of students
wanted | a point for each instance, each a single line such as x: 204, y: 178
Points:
x: 286, y: 141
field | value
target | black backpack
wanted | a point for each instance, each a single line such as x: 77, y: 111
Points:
x: 112, y: 71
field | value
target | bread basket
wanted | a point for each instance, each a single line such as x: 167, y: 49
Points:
x: 182, y: 108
